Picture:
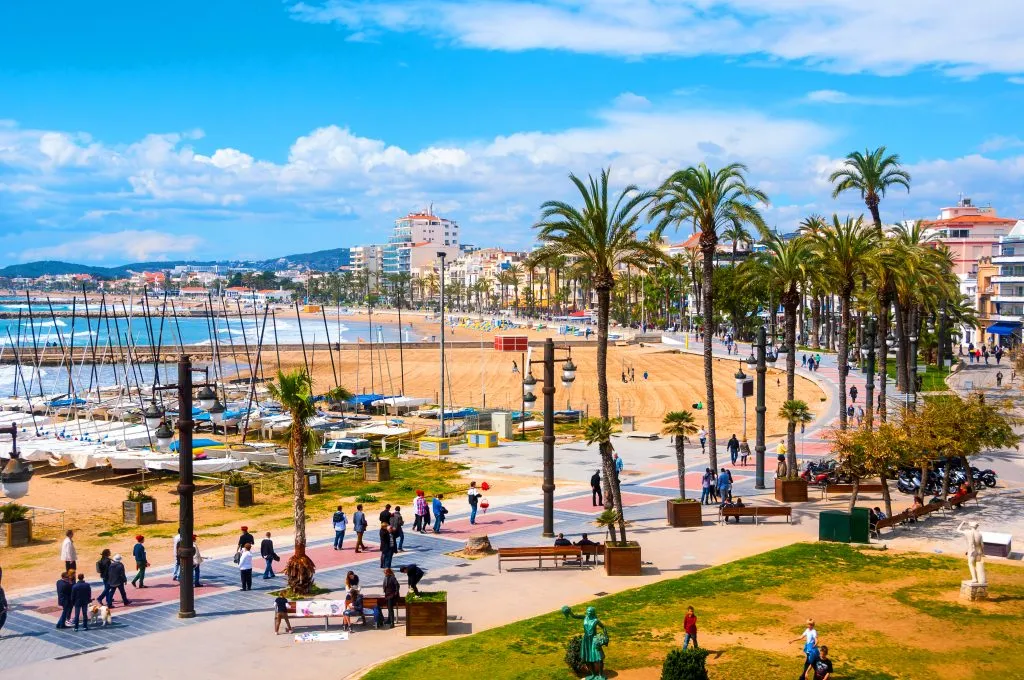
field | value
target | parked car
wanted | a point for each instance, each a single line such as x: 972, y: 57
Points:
x: 346, y: 451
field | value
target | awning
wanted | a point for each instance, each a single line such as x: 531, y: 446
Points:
x: 1003, y: 328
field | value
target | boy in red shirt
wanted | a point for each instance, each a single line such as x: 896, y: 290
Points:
x: 690, y: 628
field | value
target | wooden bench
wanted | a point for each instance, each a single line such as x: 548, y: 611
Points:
x: 756, y: 511
x: 594, y: 551
x: 568, y: 554
x: 369, y: 602
x: 890, y: 522
x: 836, y: 489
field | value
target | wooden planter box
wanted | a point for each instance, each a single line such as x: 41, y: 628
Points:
x: 622, y: 560
x: 791, y: 490
x: 238, y: 496
x: 15, y: 534
x: 376, y: 470
x: 312, y: 482
x: 426, y: 618
x: 140, y: 513
x: 683, y: 513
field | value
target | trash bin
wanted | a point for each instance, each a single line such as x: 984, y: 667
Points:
x: 860, y: 526
x: 834, y: 525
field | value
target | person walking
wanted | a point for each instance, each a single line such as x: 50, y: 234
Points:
x: 860, y: 416
x: 64, y: 586
x: 197, y: 563
x: 103, y: 569
x: 391, y: 591
x: 733, y: 447
x: 438, y: 509
x: 359, y: 524
x: 823, y: 666
x: 245, y: 566
x: 810, y: 640
x: 396, y: 524
x: 139, y: 553
x: 245, y: 537
x: 595, y: 489
x: 177, y: 562
x: 473, y: 496
x: 281, y: 614
x: 340, y: 524
x: 999, y: 379
x: 68, y: 552
x: 385, y: 514
x: 702, y: 434
x: 853, y: 393
x: 386, y: 545
x: 81, y: 596
x: 117, y: 579
x: 268, y: 555
x: 619, y: 464
x: 690, y: 628
x: 705, y: 487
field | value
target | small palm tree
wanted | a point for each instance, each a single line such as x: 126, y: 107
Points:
x: 736, y: 233
x: 294, y: 392
x: 871, y: 173
x: 679, y: 424
x: 599, y: 431
x: 795, y: 412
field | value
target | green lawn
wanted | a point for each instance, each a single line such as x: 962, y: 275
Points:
x: 934, y: 380
x: 884, y: 616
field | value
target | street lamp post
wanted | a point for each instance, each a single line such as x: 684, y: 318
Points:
x: 868, y: 351
x: 442, y: 254
x: 186, y: 482
x: 760, y: 409
x: 16, y: 474
x: 744, y: 388
x: 568, y: 376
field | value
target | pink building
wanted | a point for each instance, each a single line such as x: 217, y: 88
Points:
x: 971, y: 233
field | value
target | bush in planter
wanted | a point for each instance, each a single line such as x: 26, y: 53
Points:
x: 573, y: 657
x: 685, y: 664
x: 12, y: 512
x: 428, y: 596
x: 236, y: 479
x: 137, y: 494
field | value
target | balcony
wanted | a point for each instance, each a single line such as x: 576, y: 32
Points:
x: 1012, y: 278
x: 1008, y: 259
x: 1004, y: 317
x: 1007, y: 299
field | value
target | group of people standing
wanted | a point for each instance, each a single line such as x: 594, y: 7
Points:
x: 716, y: 487
x: 977, y: 354
x: 811, y: 363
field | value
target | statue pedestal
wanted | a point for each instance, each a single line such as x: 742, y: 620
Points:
x: 971, y: 591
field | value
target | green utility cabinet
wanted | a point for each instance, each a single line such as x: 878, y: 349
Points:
x: 844, y: 527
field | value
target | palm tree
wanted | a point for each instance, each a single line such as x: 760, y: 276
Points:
x: 784, y: 266
x: 844, y: 253
x: 514, y: 273
x: 605, y: 235
x: 294, y: 392
x: 811, y: 226
x: 736, y: 233
x: 872, y: 173
x: 679, y: 424
x: 795, y: 412
x: 713, y: 201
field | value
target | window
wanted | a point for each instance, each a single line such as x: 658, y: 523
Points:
x: 959, y: 233
x: 1007, y: 250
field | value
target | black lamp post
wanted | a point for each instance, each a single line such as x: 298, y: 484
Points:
x: 186, y: 485
x: 761, y: 369
x: 441, y: 254
x: 744, y: 388
x: 16, y: 473
x: 568, y: 376
x: 868, y: 352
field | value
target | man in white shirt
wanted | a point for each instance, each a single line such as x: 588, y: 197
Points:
x: 68, y: 552
x: 177, y: 564
x: 810, y: 638
x: 473, y: 496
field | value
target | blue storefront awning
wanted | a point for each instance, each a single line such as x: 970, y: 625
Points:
x: 1003, y: 328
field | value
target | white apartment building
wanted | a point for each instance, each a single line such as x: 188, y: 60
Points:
x: 368, y: 258
x: 414, y: 231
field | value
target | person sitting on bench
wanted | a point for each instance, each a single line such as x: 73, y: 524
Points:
x: 738, y: 503
x: 353, y: 607
x: 562, y: 541
x: 960, y: 493
x: 583, y: 543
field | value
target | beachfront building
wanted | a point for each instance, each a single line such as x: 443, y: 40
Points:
x: 970, y: 232
x: 414, y: 231
x: 365, y: 258
x: 1006, y: 292
x: 192, y: 293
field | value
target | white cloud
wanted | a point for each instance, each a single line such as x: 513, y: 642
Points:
x: 1001, y: 143
x: 1016, y: 80
x: 127, y: 245
x: 630, y: 100
x: 841, y: 35
x: 845, y: 98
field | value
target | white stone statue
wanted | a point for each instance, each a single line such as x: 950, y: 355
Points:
x: 975, y: 551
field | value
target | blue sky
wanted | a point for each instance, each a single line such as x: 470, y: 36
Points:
x: 257, y: 128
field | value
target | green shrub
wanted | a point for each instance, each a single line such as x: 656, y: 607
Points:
x: 366, y: 498
x: 137, y: 494
x: 12, y: 512
x: 685, y: 664
x: 573, y: 656
x: 236, y: 479
x: 425, y: 596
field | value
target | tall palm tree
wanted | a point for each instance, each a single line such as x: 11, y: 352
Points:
x: 794, y: 412
x: 785, y: 266
x: 811, y: 226
x: 873, y: 173
x: 294, y: 392
x: 514, y: 273
x: 736, y: 233
x: 713, y: 201
x: 605, y: 234
x: 844, y: 253
x: 679, y: 424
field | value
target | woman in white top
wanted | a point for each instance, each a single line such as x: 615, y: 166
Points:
x: 245, y: 566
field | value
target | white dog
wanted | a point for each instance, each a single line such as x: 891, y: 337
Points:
x: 99, y: 614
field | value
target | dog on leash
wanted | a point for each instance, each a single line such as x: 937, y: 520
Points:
x: 99, y: 614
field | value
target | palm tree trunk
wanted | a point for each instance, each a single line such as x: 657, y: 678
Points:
x: 603, y: 304
x: 300, y: 568
x: 709, y: 379
x: 902, y: 345
x: 853, y: 495
x: 844, y: 351
x: 790, y: 304
x: 885, y: 495
x: 681, y: 464
x: 816, y: 322
x: 883, y: 358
